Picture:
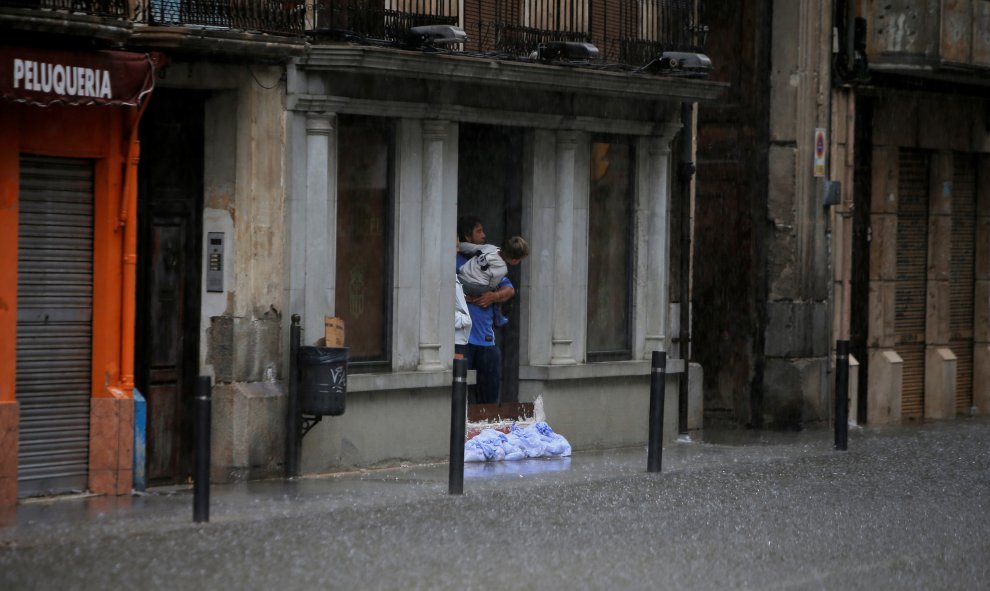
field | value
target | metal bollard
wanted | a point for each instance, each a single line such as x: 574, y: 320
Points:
x: 658, y: 380
x: 292, y: 419
x: 201, y: 463
x: 458, y: 408
x: 841, y: 395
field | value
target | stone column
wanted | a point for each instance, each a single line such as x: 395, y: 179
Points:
x: 537, y: 299
x: 433, y: 251
x: 320, y: 267
x: 657, y: 188
x: 563, y: 269
x: 886, y: 366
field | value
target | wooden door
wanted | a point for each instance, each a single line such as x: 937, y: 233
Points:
x: 169, y: 253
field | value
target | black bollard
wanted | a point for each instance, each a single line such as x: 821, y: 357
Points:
x: 458, y: 407
x: 292, y: 418
x: 841, y: 395
x: 657, y: 385
x: 201, y: 463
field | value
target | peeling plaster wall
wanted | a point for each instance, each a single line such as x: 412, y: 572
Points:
x: 244, y: 194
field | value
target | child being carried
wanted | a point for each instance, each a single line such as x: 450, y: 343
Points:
x: 487, y: 264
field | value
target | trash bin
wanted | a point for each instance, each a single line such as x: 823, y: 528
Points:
x: 322, y: 380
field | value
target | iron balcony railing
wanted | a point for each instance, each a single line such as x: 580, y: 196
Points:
x: 625, y: 31
x: 280, y: 17
x: 101, y: 8
x: 384, y: 20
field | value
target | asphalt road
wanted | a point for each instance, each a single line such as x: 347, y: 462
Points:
x: 904, y: 508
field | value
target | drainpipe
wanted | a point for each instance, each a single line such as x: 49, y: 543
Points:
x: 685, y: 174
x: 128, y: 220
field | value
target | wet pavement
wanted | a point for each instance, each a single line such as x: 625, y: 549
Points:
x: 904, y: 508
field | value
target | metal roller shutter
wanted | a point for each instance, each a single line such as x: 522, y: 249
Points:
x: 912, y: 276
x: 54, y: 323
x: 963, y: 279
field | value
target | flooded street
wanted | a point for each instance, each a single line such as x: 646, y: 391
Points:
x: 904, y: 508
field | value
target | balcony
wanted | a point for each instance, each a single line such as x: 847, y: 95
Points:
x: 630, y: 32
x: 910, y: 38
x: 276, y: 17
x: 103, y: 20
x: 266, y: 29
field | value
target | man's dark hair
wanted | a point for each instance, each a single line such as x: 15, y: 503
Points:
x: 466, y: 225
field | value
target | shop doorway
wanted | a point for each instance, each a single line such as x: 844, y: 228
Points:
x: 489, y: 186
x: 169, y: 263
x: 54, y: 323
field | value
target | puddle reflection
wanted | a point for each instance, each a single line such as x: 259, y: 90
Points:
x: 519, y: 468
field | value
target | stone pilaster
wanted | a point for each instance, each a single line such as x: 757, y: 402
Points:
x: 657, y: 251
x: 111, y: 445
x: 435, y: 249
x: 537, y: 302
x: 563, y: 270
x: 9, y: 437
x: 886, y: 366
x: 320, y: 223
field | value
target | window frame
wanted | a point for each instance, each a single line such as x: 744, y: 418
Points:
x: 390, y: 125
x: 626, y: 353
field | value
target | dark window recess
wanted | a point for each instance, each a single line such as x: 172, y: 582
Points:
x: 610, y: 234
x: 364, y: 238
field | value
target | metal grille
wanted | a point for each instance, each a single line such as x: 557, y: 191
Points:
x: 649, y: 27
x: 963, y: 279
x: 54, y: 323
x: 267, y: 16
x: 629, y: 32
x: 912, y: 277
x: 386, y: 20
x: 107, y: 8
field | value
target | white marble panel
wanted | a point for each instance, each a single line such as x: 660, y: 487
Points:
x: 405, y: 328
x: 321, y: 226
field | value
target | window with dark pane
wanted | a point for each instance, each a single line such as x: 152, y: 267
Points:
x: 364, y: 173
x: 610, y: 234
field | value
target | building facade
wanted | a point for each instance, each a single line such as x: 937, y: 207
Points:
x: 391, y: 142
x: 850, y: 158
x: 914, y: 224
x: 69, y: 120
x: 313, y: 160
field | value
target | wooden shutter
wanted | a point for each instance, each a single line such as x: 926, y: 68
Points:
x: 963, y: 276
x: 912, y: 275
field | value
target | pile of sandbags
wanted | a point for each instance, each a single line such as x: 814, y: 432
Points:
x: 535, y: 441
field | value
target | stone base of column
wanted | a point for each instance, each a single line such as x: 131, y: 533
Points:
x: 561, y: 353
x: 429, y: 357
x: 111, y: 445
x: 884, y: 388
x: 981, y: 378
x: 940, y: 383
x: 653, y: 343
x: 9, y: 423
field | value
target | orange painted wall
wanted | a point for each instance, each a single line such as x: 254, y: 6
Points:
x: 8, y: 259
x: 95, y: 132
x: 102, y: 134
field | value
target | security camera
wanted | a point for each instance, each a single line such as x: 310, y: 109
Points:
x: 567, y: 50
x: 431, y: 35
x: 683, y: 64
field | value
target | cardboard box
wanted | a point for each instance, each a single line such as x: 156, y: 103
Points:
x: 334, y: 331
